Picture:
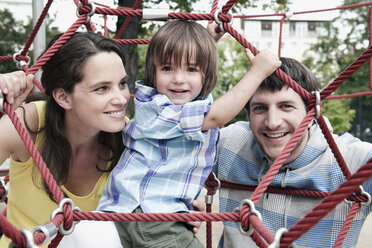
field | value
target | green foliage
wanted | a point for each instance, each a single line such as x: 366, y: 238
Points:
x: 13, y: 37
x: 339, y: 114
x: 344, y: 39
x: 233, y: 64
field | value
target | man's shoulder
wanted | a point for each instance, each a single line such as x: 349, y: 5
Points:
x: 236, y: 135
x: 348, y: 140
x: 354, y: 151
x: 240, y: 126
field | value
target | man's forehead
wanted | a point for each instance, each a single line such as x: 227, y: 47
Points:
x: 283, y: 95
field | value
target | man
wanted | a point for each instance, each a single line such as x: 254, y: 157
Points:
x: 247, y: 150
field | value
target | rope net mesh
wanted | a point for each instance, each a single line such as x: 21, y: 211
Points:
x: 67, y: 215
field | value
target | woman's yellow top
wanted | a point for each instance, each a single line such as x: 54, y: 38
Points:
x: 28, y: 204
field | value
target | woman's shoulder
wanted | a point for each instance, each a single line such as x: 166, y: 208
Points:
x: 31, y: 113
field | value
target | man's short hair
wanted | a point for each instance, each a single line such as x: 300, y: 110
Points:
x: 297, y: 71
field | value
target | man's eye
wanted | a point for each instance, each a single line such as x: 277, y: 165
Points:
x: 286, y: 106
x: 258, y: 108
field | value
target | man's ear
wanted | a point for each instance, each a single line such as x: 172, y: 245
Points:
x: 247, y: 114
x: 62, y: 98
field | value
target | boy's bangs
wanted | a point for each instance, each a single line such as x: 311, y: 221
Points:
x: 175, y: 50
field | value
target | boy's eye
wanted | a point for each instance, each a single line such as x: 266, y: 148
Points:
x: 192, y: 69
x: 166, y: 68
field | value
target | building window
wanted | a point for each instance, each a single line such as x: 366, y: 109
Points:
x: 292, y: 29
x: 311, y: 26
x: 266, y: 25
x: 266, y: 28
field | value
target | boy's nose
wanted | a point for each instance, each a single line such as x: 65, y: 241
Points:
x: 179, y: 77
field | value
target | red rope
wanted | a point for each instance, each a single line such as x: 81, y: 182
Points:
x: 36, y: 28
x: 348, y: 72
x: 274, y: 168
x: 346, y: 226
x: 56, y: 191
x: 127, y: 20
x: 262, y: 235
x: 328, y: 204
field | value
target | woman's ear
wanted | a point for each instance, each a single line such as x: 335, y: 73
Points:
x: 62, y: 98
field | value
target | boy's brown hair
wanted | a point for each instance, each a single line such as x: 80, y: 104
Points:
x: 176, y: 39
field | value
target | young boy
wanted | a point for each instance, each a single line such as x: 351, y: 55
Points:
x: 171, y: 142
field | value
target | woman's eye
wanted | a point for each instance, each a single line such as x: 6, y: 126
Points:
x: 101, y: 89
x: 123, y: 85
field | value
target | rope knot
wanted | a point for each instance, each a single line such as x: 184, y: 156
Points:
x: 84, y: 9
x: 66, y: 207
x: 245, y: 209
x: 228, y: 18
x: 21, y: 60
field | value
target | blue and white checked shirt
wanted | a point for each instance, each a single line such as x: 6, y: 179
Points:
x: 167, y: 159
x: 241, y: 160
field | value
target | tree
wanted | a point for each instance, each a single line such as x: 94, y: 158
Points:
x: 233, y: 64
x: 14, y: 35
x: 345, y: 38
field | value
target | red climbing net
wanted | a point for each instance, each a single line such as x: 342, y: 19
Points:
x: 64, y: 218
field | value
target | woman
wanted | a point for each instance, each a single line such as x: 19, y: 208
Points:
x: 76, y: 129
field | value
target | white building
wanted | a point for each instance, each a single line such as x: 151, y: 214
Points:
x: 297, y: 34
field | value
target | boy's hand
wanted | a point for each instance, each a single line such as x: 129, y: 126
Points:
x: 264, y: 63
x: 211, y: 28
x: 15, y: 87
x: 199, y: 205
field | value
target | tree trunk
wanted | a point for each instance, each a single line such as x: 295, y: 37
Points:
x: 131, y: 32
